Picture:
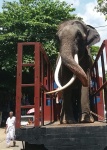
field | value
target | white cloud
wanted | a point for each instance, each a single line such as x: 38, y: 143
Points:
x: 74, y: 2
x: 91, y: 16
x: 100, y: 70
x: 94, y: 18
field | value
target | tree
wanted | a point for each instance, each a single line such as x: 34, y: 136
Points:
x: 94, y: 51
x: 102, y: 7
x: 30, y: 20
x: 106, y: 74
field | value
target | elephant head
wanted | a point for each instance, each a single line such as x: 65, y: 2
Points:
x: 74, y: 37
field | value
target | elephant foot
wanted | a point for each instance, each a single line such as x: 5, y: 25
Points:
x: 86, y: 118
x: 62, y: 122
x: 68, y: 121
x: 71, y: 122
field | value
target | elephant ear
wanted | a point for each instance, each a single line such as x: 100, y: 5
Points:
x: 92, y: 36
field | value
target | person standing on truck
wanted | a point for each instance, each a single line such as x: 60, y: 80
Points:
x: 10, y: 129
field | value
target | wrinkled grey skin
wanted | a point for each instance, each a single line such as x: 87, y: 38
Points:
x: 74, y: 37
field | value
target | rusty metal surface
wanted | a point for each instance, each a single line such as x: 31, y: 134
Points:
x: 99, y: 52
x: 57, y: 124
x: 18, y: 84
x: 37, y: 84
x: 99, y: 88
x: 42, y: 82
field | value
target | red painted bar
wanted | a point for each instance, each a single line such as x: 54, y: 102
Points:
x: 27, y: 106
x: 42, y: 82
x: 27, y: 85
x: 44, y: 87
x: 106, y: 49
x: 101, y: 91
x: 37, y: 84
x: 97, y: 75
x: 28, y: 65
x: 41, y: 64
x: 18, y: 84
x: 27, y: 43
x: 103, y: 68
x: 99, y: 53
x: 42, y: 108
x: 102, y: 87
x: 44, y: 53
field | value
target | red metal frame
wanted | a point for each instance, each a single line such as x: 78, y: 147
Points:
x: 41, y: 83
x: 100, y: 83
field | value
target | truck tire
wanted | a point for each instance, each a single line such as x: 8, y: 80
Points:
x: 29, y: 146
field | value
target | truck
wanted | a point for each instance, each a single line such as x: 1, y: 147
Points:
x: 44, y: 132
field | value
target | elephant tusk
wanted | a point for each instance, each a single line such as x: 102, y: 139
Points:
x: 76, y: 58
x: 69, y: 83
x: 57, y: 72
x: 63, y: 87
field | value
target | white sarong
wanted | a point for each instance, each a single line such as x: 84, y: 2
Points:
x: 10, y: 130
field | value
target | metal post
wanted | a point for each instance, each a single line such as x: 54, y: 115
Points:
x: 37, y: 84
x: 18, y: 85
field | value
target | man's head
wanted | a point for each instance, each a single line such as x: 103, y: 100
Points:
x: 10, y: 113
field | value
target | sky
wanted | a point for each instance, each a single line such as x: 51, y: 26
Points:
x: 86, y: 9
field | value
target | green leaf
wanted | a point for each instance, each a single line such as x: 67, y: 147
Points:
x: 30, y: 20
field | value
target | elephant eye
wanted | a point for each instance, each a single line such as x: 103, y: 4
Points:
x: 79, y: 35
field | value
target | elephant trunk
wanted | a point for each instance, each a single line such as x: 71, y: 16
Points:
x: 66, y: 52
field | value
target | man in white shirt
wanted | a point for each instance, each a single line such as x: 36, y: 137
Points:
x: 10, y: 129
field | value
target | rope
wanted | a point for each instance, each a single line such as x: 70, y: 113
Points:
x: 96, y: 115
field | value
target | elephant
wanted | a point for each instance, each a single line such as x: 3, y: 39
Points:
x: 72, y: 73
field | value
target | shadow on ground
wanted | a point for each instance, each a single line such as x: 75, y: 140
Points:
x: 105, y: 148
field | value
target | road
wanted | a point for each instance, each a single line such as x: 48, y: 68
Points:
x: 3, y: 142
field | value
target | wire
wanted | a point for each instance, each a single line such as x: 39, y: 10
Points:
x: 101, y: 26
x: 52, y: 33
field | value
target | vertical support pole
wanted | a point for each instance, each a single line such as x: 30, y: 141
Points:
x: 37, y: 84
x: 49, y: 88
x: 97, y: 75
x: 105, y: 88
x: 96, y: 86
x: 41, y: 67
x: 42, y: 81
x: 51, y: 83
x: 103, y: 68
x: 105, y: 42
x: 52, y: 97
x: 18, y: 84
x: 42, y: 108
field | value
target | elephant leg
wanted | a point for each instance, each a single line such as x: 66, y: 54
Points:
x: 67, y: 106
x: 62, y: 114
x: 76, y: 103
x: 85, y: 105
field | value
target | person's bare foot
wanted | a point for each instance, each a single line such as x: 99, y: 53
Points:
x: 8, y: 146
x: 14, y: 143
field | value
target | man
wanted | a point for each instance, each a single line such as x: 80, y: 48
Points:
x: 10, y: 129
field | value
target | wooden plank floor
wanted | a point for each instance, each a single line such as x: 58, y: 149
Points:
x: 57, y: 124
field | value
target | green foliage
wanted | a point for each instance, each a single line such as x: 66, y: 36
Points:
x: 30, y: 20
x: 102, y: 7
x: 94, y: 50
x: 106, y: 75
